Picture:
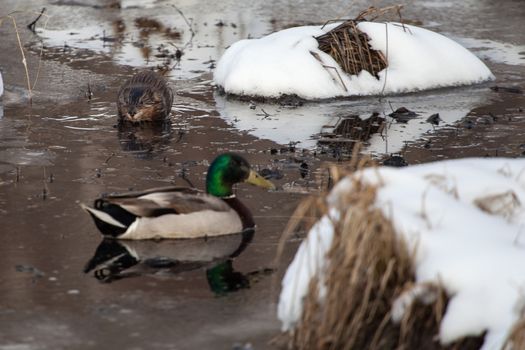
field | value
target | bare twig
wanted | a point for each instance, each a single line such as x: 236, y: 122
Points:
x: 317, y: 57
x: 89, y: 92
x: 24, y: 59
x: 45, y: 189
x: 109, y: 158
x: 31, y: 26
x: 338, y: 75
x: 264, y: 114
x: 185, y: 20
x: 40, y: 54
x: 386, y: 68
x: 184, y: 176
x: 180, y: 51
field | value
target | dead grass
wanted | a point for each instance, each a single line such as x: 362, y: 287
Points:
x: 368, y: 269
x: 349, y: 131
x: 516, y: 338
x: 12, y: 16
x: 349, y: 47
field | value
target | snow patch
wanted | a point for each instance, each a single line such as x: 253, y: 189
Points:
x: 309, y: 261
x: 424, y: 293
x: 284, y: 63
x: 475, y: 250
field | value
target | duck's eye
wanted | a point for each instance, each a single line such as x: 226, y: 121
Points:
x: 244, y: 169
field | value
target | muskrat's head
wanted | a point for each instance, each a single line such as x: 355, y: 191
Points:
x: 139, y: 103
x: 144, y: 97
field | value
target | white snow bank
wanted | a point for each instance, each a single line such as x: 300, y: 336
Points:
x: 282, y: 63
x: 477, y: 255
x: 308, y: 261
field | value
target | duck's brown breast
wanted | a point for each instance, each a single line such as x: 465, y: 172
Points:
x: 243, y: 212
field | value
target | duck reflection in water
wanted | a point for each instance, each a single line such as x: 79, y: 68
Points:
x: 144, y: 140
x: 118, y: 259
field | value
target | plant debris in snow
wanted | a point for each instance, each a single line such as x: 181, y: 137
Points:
x: 403, y: 115
x: 390, y: 239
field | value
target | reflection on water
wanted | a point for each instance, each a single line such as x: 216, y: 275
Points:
x: 280, y: 124
x: 305, y: 124
x: 146, y: 139
x: 137, y: 3
x: 165, y: 38
x: 16, y: 149
x: 117, y: 259
x: 495, y: 51
x: 187, y: 47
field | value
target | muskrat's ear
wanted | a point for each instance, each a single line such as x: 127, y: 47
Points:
x: 157, y: 97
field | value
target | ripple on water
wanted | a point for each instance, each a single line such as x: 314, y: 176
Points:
x: 24, y: 156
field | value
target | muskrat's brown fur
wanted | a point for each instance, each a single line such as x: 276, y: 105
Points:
x: 144, y: 97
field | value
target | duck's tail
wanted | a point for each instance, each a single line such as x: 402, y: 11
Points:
x: 106, y: 223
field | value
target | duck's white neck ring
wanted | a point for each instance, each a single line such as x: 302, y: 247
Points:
x: 228, y: 197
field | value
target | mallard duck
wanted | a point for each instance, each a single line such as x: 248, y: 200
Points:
x: 146, y: 97
x: 181, y: 212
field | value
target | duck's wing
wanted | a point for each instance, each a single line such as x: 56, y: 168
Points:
x: 173, y: 212
x: 173, y: 200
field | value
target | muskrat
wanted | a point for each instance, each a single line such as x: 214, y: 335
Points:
x: 144, y: 97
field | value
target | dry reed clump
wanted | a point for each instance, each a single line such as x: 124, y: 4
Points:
x: 31, y: 27
x: 369, y: 267
x: 349, y: 131
x: 350, y: 47
x: 358, y: 129
x: 516, y: 339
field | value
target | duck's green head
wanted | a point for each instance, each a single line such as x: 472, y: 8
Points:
x: 228, y: 169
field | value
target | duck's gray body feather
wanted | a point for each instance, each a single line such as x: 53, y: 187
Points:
x: 171, y: 212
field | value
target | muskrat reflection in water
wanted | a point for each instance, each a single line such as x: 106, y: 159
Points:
x: 144, y: 139
x: 143, y: 98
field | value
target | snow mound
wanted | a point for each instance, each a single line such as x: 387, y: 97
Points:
x: 284, y: 63
x: 465, y: 221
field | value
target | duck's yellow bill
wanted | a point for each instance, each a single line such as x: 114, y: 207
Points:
x: 258, y: 180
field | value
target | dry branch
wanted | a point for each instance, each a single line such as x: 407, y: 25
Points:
x: 516, y: 338
x: 22, y: 53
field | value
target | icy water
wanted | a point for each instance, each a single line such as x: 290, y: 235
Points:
x: 66, y: 149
